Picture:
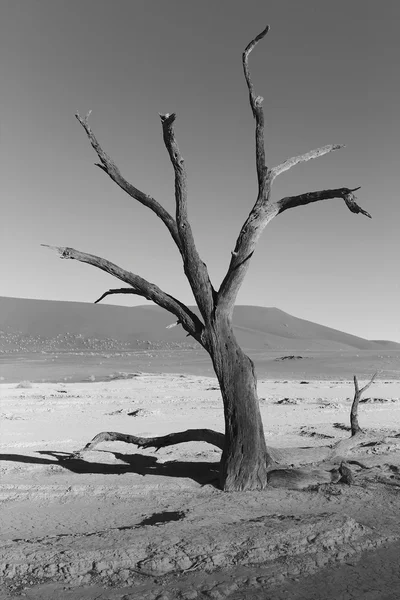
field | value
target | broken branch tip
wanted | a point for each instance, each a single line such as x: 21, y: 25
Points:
x: 51, y: 247
x: 253, y: 42
x: 168, y: 117
x: 63, y: 252
x: 263, y: 33
x: 83, y: 120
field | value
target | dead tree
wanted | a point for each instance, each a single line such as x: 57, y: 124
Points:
x: 355, y: 427
x: 245, y: 460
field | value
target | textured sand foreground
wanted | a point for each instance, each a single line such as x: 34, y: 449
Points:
x: 130, y: 523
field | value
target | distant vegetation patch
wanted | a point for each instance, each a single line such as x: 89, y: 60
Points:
x: 163, y: 517
x: 325, y: 404
x: 122, y: 375
x: 290, y: 357
x: 140, y: 412
x: 24, y: 385
x: 288, y: 401
x: 310, y: 432
x: 381, y: 400
x: 341, y: 426
x: 18, y: 341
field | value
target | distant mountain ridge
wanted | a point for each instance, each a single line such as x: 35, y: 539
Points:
x: 28, y: 324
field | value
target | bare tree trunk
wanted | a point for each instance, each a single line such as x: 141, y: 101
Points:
x: 355, y: 427
x: 354, y: 424
x: 245, y: 460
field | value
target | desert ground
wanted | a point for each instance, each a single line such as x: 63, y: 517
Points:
x: 125, y: 523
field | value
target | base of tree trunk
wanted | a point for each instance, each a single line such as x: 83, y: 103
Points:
x: 327, y: 464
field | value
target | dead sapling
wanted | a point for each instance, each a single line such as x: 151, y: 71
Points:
x: 354, y: 425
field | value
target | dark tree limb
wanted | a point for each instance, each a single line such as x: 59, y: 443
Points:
x: 115, y: 291
x: 345, y: 193
x: 278, y: 456
x: 355, y: 427
x: 195, y: 270
x: 190, y: 435
x: 140, y: 287
x: 108, y: 166
x: 261, y: 212
x: 256, y: 107
x: 291, y: 162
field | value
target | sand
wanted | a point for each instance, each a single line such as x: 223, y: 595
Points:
x: 134, y: 524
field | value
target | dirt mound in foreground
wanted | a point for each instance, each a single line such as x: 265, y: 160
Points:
x: 282, y: 545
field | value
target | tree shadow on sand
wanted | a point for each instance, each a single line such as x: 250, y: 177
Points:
x: 201, y: 472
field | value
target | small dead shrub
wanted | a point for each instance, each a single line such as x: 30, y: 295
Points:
x: 24, y: 385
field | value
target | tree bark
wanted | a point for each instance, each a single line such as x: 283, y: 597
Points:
x: 354, y: 424
x: 245, y: 460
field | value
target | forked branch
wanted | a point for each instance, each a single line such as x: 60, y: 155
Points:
x: 108, y: 166
x: 345, y: 193
x: 264, y: 210
x: 355, y: 427
x: 140, y: 287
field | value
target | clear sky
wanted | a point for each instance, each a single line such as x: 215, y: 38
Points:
x: 328, y: 72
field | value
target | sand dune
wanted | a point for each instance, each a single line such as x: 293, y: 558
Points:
x: 44, y: 340
x: 257, y: 328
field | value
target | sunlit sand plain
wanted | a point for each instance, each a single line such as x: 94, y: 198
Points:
x: 122, y: 522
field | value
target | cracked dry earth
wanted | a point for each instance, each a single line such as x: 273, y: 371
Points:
x: 129, y: 524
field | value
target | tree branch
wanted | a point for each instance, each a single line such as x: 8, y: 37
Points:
x: 190, y: 435
x: 291, y: 162
x: 140, y: 287
x: 345, y: 193
x: 261, y: 212
x: 195, y: 269
x: 115, y: 291
x: 256, y: 107
x: 109, y: 167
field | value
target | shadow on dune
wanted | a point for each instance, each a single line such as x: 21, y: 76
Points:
x: 200, y: 472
